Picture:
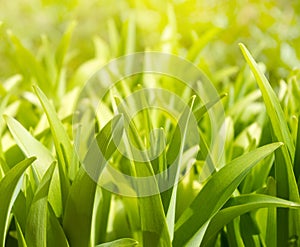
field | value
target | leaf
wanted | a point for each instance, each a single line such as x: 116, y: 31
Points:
x: 239, y: 205
x: 200, y: 111
x: 32, y: 67
x: 174, y: 158
x: 30, y: 146
x: 286, y: 182
x: 8, y: 192
x: 153, y: 222
x: 55, y: 232
x: 36, y: 230
x: 297, y: 155
x: 124, y: 242
x: 63, y: 46
x: 77, y: 220
x: 20, y: 236
x: 61, y: 140
x: 216, y: 192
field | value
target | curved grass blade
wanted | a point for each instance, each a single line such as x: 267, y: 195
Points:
x: 30, y: 146
x: 36, y: 230
x: 216, y: 192
x: 124, y: 242
x: 77, y: 220
x: 8, y: 192
x: 61, y: 141
x: 286, y: 182
x: 240, y: 205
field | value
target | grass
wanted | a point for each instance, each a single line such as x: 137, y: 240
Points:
x: 236, y: 152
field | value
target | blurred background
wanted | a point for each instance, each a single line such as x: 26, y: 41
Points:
x: 205, y: 32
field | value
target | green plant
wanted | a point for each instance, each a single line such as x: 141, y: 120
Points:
x: 246, y: 195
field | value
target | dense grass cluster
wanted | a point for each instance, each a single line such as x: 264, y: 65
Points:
x: 237, y: 188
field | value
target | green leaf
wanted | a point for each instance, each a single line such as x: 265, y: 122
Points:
x: 216, y: 192
x: 9, y: 189
x: 237, y: 206
x: 20, y: 235
x: 63, y: 46
x: 286, y: 182
x: 153, y: 222
x: 55, y: 232
x: 297, y: 155
x: 176, y: 151
x: 61, y: 140
x: 124, y: 242
x: 77, y: 220
x: 36, y: 230
x: 30, y: 146
x: 32, y: 68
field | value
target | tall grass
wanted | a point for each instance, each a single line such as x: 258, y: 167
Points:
x: 241, y: 190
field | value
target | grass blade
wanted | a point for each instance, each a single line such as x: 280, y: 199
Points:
x: 124, y: 242
x: 30, y: 146
x: 222, y: 183
x: 61, y: 140
x: 77, y: 220
x: 8, y: 192
x: 241, y: 205
x: 286, y: 182
x: 36, y: 232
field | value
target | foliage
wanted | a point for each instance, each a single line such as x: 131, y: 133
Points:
x: 248, y: 195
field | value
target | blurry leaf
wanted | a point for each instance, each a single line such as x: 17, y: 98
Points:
x: 77, y: 220
x: 124, y: 242
x: 36, y: 230
x: 200, y: 43
x: 9, y: 190
x: 222, y: 184
x: 63, y: 46
x: 32, y: 67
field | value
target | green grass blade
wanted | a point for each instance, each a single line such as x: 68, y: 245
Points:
x: 241, y: 205
x: 61, y: 140
x: 60, y: 136
x: 36, y: 232
x: 272, y: 103
x: 77, y: 220
x: 216, y: 192
x: 153, y: 221
x: 175, y: 151
x: 55, y: 232
x: 30, y: 146
x: 8, y: 191
x: 62, y: 48
x: 32, y: 68
x: 297, y: 156
x: 286, y: 182
x: 20, y: 236
x: 124, y: 242
x: 200, y: 111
